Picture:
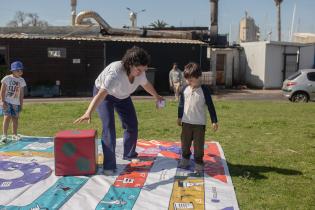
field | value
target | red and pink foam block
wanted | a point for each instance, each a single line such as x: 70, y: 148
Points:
x: 75, y: 152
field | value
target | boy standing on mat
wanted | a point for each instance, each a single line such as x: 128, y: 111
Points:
x: 12, y: 95
x: 194, y: 98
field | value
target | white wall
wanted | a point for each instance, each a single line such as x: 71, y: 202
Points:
x: 255, y: 55
x: 237, y: 73
x: 274, y: 66
x: 264, y: 62
x: 275, y: 59
x: 228, y: 68
x: 231, y: 54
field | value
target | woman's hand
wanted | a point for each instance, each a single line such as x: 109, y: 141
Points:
x: 150, y: 89
x: 85, y: 117
x: 96, y: 101
x: 215, y: 126
x: 159, y: 98
x: 179, y: 122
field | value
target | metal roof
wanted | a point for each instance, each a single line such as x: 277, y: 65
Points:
x: 99, y: 38
x: 292, y: 44
x: 304, y: 35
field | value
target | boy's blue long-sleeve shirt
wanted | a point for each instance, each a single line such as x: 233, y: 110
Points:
x: 208, y: 100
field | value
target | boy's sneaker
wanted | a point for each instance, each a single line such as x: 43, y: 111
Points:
x: 198, y: 168
x: 109, y: 172
x: 184, y: 163
x: 135, y: 160
x: 135, y: 155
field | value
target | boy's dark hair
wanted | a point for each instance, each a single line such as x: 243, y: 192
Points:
x: 192, y: 70
x: 135, y: 56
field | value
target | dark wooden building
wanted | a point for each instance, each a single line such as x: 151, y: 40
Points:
x: 76, y: 61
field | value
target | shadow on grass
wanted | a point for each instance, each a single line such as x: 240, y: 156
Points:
x: 256, y: 172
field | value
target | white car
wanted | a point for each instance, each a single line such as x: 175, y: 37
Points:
x: 300, y: 87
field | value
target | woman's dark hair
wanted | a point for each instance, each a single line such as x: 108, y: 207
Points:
x: 135, y: 56
x: 192, y: 70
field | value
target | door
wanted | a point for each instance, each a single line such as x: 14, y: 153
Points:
x: 290, y: 64
x: 220, y: 71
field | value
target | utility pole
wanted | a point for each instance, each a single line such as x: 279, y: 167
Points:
x: 278, y: 5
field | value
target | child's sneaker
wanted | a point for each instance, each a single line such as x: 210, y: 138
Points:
x: 130, y: 158
x: 16, y: 137
x: 135, y: 160
x: 4, y: 139
x: 198, y: 168
x: 184, y: 163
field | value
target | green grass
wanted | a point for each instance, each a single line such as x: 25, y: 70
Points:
x: 269, y: 145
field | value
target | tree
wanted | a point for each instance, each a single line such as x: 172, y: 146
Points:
x: 33, y: 19
x: 42, y: 23
x: 158, y: 24
x: 22, y: 19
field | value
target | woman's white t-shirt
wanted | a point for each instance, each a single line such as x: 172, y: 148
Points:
x: 115, y: 81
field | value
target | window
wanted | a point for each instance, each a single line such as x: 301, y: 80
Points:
x: 57, y: 52
x: 292, y: 77
x: 311, y: 76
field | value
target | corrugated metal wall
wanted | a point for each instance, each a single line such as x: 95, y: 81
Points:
x: 77, y: 76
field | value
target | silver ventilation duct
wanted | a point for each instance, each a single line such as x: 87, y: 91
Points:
x: 127, y: 32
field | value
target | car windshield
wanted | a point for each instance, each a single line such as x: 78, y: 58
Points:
x: 295, y: 75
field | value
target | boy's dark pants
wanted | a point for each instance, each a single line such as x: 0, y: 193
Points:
x: 194, y: 133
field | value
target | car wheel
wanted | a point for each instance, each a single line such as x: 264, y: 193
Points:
x: 299, y: 97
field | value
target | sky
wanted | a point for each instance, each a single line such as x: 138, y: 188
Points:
x: 174, y: 12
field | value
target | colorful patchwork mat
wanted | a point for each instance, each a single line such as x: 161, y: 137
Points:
x: 28, y: 181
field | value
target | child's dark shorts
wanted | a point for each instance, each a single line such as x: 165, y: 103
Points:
x: 12, y: 110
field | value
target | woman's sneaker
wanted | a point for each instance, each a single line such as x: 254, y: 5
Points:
x: 198, y: 168
x: 184, y: 163
x: 109, y: 172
